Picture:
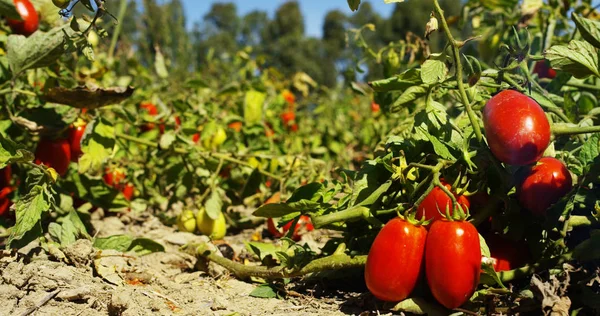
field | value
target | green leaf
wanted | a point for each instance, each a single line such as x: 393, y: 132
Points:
x: 498, y: 4
x: 588, y: 250
x: 590, y: 150
x: 97, y: 145
x: 159, y: 65
x: 126, y: 243
x: 253, y: 105
x: 28, y: 211
x: 419, y: 306
x: 8, y: 9
x: 409, y: 95
x: 374, y: 196
x: 485, y: 250
x: 543, y: 101
x: 578, y: 58
x: 309, y: 191
x: 274, y: 210
x: 10, y: 153
x: 436, y: 113
x: 39, y: 50
x: 402, y: 81
x: 589, y: 29
x: 433, y: 71
x: 490, y: 276
x: 214, y: 204
x: 440, y: 148
x: 262, y: 250
x: 167, y: 139
x: 265, y: 290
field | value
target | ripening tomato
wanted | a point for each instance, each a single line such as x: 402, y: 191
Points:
x: 215, y: 229
x: 507, y: 254
x: 375, y: 108
x: 54, y: 153
x: 544, y: 184
x: 287, y: 117
x: 236, y: 126
x: 289, y: 97
x: 395, y: 259
x: 114, y: 178
x: 304, y: 225
x: 516, y: 128
x: 153, y: 111
x: 75, y: 134
x: 543, y: 70
x: 437, y: 201
x: 452, y: 261
x: 128, y: 191
x: 30, y: 19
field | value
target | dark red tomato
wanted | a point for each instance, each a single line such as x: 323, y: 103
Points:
x: 114, y: 178
x: 543, y: 70
x: 375, y: 107
x: 75, y: 135
x: 128, y: 191
x: 177, y: 121
x: 287, y: 117
x: 5, y: 201
x: 507, y: 254
x: 437, y: 201
x: 394, y: 263
x: 30, y: 19
x: 294, y: 127
x: 543, y: 185
x: 54, y: 153
x: 452, y: 261
x: 516, y: 128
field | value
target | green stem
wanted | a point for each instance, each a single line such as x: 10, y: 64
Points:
x: 115, y: 37
x: 353, y: 213
x: 508, y: 276
x: 459, y: 71
x: 575, y: 130
x: 333, y: 262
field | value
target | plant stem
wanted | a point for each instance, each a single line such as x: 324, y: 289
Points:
x: 575, y: 130
x: 115, y: 37
x: 353, y: 213
x: 508, y: 276
x: 333, y: 262
x: 459, y: 71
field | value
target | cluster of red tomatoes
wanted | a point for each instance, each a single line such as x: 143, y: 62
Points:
x: 518, y: 133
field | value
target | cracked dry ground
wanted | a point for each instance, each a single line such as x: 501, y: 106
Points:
x: 87, y: 282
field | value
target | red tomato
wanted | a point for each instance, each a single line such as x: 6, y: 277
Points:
x: 516, y: 128
x: 5, y: 177
x: 439, y: 200
x: 75, y: 135
x: 304, y: 225
x: 394, y: 263
x: 289, y: 97
x: 54, y: 153
x: 375, y: 107
x: 543, y: 70
x: 452, y: 261
x: 114, y: 178
x: 30, y: 19
x: 5, y: 201
x: 153, y: 111
x: 294, y: 127
x: 128, y: 191
x: 287, y: 117
x: 507, y: 254
x: 544, y: 184
x: 236, y: 126
x: 177, y: 121
x: 196, y: 138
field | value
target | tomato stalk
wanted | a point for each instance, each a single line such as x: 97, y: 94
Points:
x: 333, y: 262
x: 115, y: 37
x: 575, y: 130
x: 459, y: 71
x: 353, y: 213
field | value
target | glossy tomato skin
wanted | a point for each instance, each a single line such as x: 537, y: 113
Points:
x: 5, y: 189
x: 516, y: 128
x: 543, y: 70
x: 452, y: 261
x: 75, y: 135
x: 544, y: 184
x: 438, y: 199
x: 507, y: 254
x: 128, y: 191
x: 375, y: 108
x: 55, y: 154
x: 30, y: 18
x: 394, y: 263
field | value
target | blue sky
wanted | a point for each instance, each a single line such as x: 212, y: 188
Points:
x: 313, y: 10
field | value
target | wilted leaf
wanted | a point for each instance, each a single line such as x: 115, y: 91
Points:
x: 88, y: 97
x: 353, y: 4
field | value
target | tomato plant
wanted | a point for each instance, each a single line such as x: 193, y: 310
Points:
x: 452, y: 261
x: 29, y: 18
x: 394, y: 262
x: 544, y: 184
x: 516, y: 127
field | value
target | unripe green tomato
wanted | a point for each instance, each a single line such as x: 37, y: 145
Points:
x: 216, y: 229
x: 186, y: 221
x: 219, y: 137
x: 63, y: 4
x: 93, y: 38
